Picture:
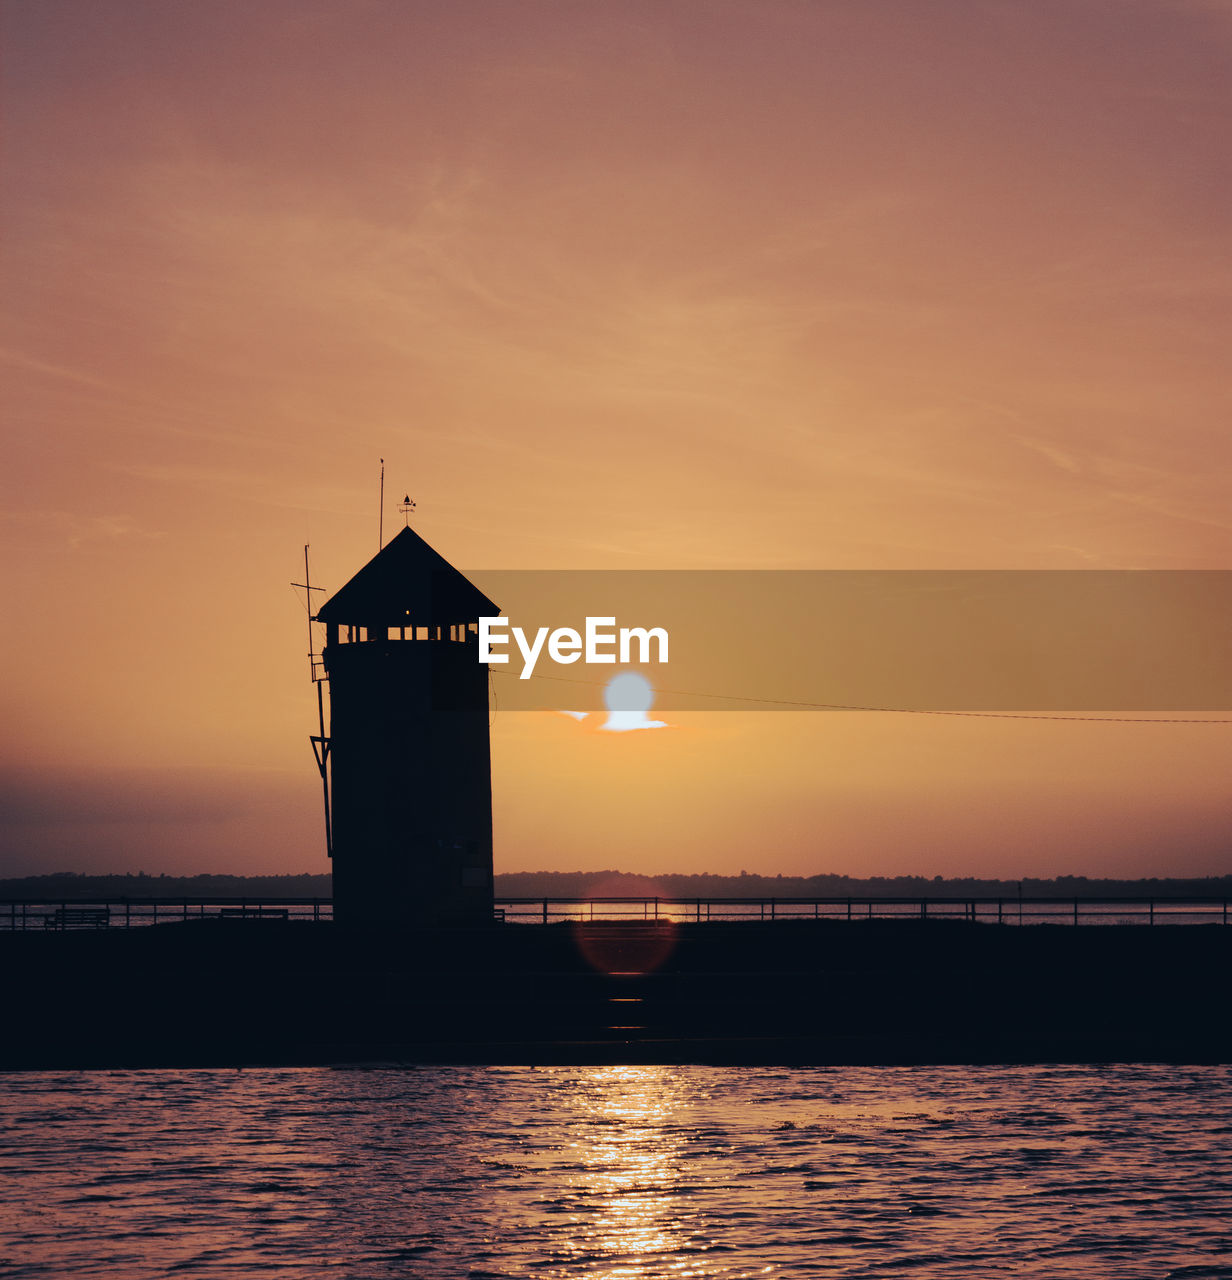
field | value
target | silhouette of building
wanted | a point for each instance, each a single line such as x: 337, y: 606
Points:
x: 409, y: 751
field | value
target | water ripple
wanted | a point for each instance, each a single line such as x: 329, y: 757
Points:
x: 621, y: 1172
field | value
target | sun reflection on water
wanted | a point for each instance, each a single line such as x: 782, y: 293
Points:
x: 630, y: 1156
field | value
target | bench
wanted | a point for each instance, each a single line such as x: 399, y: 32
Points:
x: 78, y: 918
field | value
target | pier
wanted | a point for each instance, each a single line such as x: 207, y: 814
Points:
x: 59, y: 914
x: 277, y: 983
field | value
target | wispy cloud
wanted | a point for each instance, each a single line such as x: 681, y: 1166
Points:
x: 76, y: 529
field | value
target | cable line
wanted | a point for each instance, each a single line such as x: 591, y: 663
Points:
x: 902, y: 711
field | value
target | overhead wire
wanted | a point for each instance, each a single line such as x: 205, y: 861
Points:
x: 906, y: 711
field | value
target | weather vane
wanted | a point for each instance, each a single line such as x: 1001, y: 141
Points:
x: 406, y: 506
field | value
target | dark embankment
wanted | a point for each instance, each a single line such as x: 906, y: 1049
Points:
x: 246, y: 992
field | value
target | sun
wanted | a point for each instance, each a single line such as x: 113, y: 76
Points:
x: 628, y: 696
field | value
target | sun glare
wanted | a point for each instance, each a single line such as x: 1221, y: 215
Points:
x: 628, y: 697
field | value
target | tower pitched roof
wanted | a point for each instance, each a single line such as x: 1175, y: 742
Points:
x: 407, y: 582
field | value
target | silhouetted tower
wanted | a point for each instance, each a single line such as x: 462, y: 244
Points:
x: 409, y: 754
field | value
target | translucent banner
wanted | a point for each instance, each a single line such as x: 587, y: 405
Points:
x: 1060, y: 641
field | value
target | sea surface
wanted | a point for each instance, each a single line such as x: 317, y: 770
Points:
x: 1113, y: 1172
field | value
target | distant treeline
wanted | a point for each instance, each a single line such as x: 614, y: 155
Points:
x: 579, y: 884
x: 68, y: 884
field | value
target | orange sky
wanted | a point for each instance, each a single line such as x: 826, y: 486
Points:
x: 793, y: 284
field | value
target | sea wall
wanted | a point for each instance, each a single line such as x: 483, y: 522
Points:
x: 237, y: 992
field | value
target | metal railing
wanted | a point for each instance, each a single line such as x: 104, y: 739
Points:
x: 44, y: 914
x: 984, y: 910
x: 64, y: 914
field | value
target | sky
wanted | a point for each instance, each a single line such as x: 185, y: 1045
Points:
x: 800, y: 284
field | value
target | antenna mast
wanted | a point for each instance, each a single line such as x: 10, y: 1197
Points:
x: 320, y: 742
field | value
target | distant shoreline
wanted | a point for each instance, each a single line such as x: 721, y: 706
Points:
x: 576, y: 884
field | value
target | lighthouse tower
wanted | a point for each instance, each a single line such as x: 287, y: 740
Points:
x: 408, y: 746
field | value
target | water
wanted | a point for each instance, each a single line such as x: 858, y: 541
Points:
x: 629, y: 1172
